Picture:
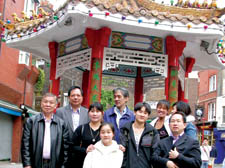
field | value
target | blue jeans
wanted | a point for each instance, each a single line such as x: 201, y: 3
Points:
x: 204, y: 164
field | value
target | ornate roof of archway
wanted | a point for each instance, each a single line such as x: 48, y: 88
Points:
x: 191, y: 22
x: 184, y: 12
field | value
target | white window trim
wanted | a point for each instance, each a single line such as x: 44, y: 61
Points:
x: 223, y: 120
x: 211, y: 111
x: 28, y: 6
x: 65, y: 99
x: 24, y: 58
x: 212, y: 83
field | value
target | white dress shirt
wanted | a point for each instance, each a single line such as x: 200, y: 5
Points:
x: 119, y: 115
x: 75, y: 118
x: 47, y: 139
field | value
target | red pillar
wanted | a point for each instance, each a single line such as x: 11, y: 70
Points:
x: 189, y: 63
x: 174, y: 50
x: 181, y: 93
x: 139, y: 83
x: 97, y: 40
x: 55, y: 83
x: 85, y: 83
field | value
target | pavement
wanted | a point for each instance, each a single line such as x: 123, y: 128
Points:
x: 7, y: 164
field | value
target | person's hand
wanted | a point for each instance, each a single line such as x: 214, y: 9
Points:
x: 90, y: 148
x: 28, y: 167
x: 122, y: 148
x: 170, y: 164
x: 173, y: 154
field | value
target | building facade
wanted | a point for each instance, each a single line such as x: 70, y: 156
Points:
x: 17, y: 79
x: 212, y: 101
x: 220, y: 101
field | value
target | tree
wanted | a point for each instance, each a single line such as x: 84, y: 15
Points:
x: 40, y: 81
x: 107, y: 99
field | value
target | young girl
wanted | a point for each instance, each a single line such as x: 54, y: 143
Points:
x: 106, y: 152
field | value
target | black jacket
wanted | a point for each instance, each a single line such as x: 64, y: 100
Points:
x: 188, y: 148
x: 32, y: 142
x: 148, y: 142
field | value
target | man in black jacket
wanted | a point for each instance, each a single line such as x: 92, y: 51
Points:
x: 178, y: 150
x: 139, y: 138
x: 45, y: 136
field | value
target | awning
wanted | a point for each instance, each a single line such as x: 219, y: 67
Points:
x: 9, y: 108
x: 14, y: 110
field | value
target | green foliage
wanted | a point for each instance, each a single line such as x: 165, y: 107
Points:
x: 107, y: 99
x: 40, y: 81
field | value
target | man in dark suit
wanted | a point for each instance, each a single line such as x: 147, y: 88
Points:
x: 74, y: 114
x: 178, y: 150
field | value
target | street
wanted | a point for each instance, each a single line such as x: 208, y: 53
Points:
x: 7, y: 164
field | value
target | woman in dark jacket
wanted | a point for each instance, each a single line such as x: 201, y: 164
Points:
x: 87, y: 134
x: 139, y: 138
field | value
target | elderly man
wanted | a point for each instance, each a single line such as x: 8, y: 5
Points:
x: 178, y: 150
x: 45, y: 136
x: 119, y: 114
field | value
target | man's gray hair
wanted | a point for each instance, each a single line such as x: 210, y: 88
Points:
x: 124, y: 91
x: 50, y: 95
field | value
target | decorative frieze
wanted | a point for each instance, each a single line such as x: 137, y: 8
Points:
x: 80, y: 58
x: 114, y: 57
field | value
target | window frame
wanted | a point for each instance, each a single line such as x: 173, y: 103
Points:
x: 223, y: 114
x: 28, y: 6
x: 212, y: 83
x: 24, y: 58
x: 211, y: 111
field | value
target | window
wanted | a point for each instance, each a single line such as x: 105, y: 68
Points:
x: 211, y: 111
x: 223, y: 114
x: 39, y: 62
x: 28, y: 6
x: 24, y: 58
x: 65, y: 99
x: 212, y: 83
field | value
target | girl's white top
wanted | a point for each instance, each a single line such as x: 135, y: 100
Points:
x: 104, y: 156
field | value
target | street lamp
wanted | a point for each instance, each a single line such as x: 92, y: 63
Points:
x: 24, y: 111
x: 199, y: 113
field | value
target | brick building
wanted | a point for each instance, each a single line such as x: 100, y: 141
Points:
x: 207, y: 96
x: 17, y: 79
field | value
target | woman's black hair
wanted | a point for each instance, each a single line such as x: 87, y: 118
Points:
x: 164, y: 103
x: 139, y: 105
x: 96, y: 105
x: 184, y: 107
x: 109, y: 124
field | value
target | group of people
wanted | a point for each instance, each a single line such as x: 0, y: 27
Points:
x: 91, y: 138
